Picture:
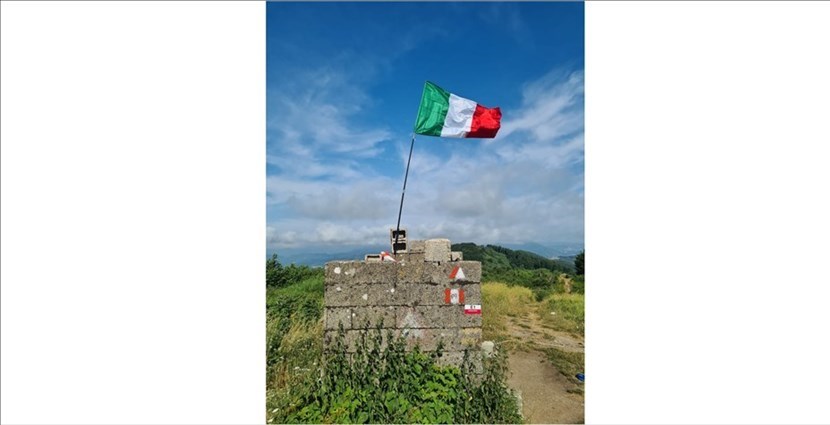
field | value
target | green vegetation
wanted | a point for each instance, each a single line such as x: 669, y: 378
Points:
x: 375, y: 384
x: 568, y: 312
x: 567, y: 363
x: 294, y: 335
x: 497, y: 260
x: 502, y: 301
x: 278, y: 276
x: 380, y: 384
x: 542, y: 275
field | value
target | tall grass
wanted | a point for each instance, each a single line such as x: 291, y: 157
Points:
x: 294, y: 334
x: 501, y: 301
x: 295, y: 366
x: 566, y: 362
x: 569, y: 312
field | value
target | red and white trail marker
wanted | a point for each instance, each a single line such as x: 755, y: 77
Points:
x: 472, y: 308
x: 453, y: 296
x: 384, y: 256
x: 457, y: 274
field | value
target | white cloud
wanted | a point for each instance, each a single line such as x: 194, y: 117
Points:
x: 552, y: 107
x: 358, y: 198
x: 524, y: 186
x: 316, y: 114
x: 299, y: 233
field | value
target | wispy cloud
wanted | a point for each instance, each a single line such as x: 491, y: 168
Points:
x: 524, y: 186
x: 314, y: 115
x: 552, y: 107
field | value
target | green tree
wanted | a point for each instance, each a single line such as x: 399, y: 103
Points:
x: 274, y: 272
x: 579, y: 262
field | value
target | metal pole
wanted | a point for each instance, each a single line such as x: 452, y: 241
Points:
x: 400, y: 210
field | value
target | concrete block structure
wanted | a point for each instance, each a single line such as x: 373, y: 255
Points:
x: 428, y: 295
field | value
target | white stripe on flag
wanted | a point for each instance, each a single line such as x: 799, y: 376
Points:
x: 459, y: 118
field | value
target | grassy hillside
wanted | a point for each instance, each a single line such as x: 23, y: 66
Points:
x: 496, y: 259
x: 542, y: 275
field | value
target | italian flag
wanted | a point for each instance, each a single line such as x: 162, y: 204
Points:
x: 444, y: 114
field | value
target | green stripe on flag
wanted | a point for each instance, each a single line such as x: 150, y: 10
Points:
x: 435, y: 102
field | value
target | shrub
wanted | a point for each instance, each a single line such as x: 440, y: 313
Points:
x: 391, y: 385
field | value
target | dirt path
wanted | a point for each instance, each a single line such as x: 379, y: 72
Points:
x: 544, y: 391
x: 547, y: 396
x: 529, y: 330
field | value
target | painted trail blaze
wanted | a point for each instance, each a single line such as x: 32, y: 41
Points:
x: 457, y: 273
x: 453, y: 296
x: 472, y: 309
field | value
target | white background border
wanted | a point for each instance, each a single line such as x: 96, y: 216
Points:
x: 707, y: 148
x: 133, y: 212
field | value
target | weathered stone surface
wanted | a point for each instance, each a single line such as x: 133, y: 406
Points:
x: 412, y: 257
x: 450, y: 358
x: 416, y: 246
x: 428, y: 339
x: 469, y: 320
x: 354, y: 337
x: 456, y: 256
x: 472, y: 270
x: 340, y: 294
x: 355, y: 272
x: 470, y: 337
x: 407, y: 298
x: 436, y: 274
x: 333, y: 316
x: 429, y: 316
x: 370, y: 316
x: 472, y: 293
x: 425, y: 294
x: 361, y: 295
x: 456, y: 358
x: 336, y: 271
x: 437, y: 250
x: 413, y: 294
x: 439, y: 274
x: 488, y: 348
x: 410, y: 272
x: 383, y: 272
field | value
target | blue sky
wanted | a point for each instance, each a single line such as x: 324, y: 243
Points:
x: 343, y: 85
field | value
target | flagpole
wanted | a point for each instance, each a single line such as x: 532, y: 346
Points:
x: 403, y: 192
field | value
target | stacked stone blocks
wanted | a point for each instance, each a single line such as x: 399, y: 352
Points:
x: 408, y: 297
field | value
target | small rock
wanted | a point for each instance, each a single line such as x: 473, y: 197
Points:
x: 487, y: 347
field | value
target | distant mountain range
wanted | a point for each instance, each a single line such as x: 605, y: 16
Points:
x: 318, y: 256
x: 321, y: 255
x: 554, y: 250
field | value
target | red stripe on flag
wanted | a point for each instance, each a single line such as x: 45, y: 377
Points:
x: 461, y: 296
x: 447, y: 295
x: 486, y: 122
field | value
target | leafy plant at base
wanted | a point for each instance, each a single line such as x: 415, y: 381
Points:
x: 383, y: 383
